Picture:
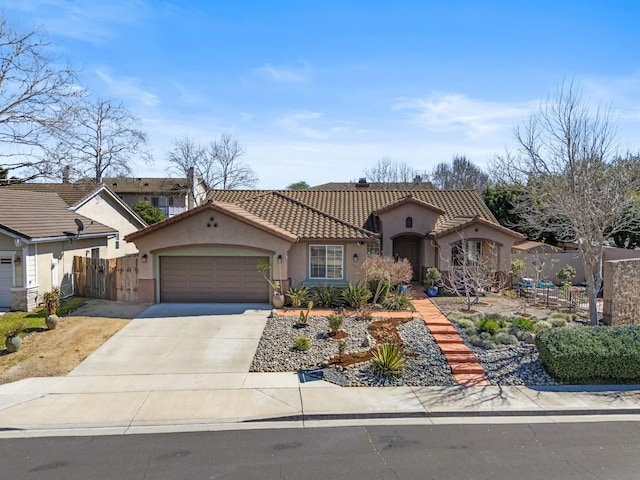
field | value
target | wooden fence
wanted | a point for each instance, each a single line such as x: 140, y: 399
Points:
x: 108, y: 279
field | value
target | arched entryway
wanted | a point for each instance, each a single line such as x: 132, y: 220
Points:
x: 408, y: 246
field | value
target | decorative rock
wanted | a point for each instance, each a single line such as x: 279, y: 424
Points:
x: 530, y: 338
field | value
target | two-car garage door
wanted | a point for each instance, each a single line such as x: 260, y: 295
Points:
x: 212, y: 279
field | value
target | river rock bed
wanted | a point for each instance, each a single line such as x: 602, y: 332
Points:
x: 425, y: 364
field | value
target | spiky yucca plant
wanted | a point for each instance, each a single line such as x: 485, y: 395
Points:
x: 387, y: 361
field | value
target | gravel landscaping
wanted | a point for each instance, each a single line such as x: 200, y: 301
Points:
x: 425, y: 365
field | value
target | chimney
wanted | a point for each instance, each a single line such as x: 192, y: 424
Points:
x: 65, y: 173
x: 417, y: 179
x: 190, y: 188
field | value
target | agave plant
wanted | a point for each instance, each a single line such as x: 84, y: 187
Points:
x: 387, y: 361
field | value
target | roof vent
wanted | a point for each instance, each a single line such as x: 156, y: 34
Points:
x: 114, y: 184
x: 417, y: 179
x: 146, y: 184
x: 362, y: 183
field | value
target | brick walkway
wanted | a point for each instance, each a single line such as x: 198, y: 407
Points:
x: 464, y: 365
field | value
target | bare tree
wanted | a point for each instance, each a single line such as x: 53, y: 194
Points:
x: 229, y: 171
x: 34, y: 87
x: 392, y: 172
x: 473, y: 270
x: 102, y: 138
x: 460, y: 174
x: 217, y: 164
x: 572, y: 181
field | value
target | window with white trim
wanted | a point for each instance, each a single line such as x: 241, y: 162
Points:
x: 326, y: 261
x: 373, y: 248
x: 469, y: 253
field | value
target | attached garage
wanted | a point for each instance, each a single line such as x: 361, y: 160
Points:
x: 6, y: 281
x: 212, y: 279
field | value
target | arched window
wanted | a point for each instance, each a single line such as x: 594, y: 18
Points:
x: 409, y: 222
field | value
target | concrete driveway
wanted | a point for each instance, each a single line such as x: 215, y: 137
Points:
x: 181, y: 339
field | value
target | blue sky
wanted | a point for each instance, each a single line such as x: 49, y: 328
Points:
x: 319, y: 91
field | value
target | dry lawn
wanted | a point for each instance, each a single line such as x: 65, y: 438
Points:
x: 52, y: 353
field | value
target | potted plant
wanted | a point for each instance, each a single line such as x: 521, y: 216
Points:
x: 13, y: 340
x: 51, y: 301
x: 432, y: 277
x: 278, y: 295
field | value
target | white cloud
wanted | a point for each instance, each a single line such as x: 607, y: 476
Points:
x: 127, y: 88
x: 443, y: 112
x: 298, y: 123
x: 286, y: 73
x: 91, y: 22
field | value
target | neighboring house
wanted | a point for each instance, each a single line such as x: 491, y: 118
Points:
x: 363, y: 184
x: 98, y: 203
x: 39, y: 236
x: 171, y: 195
x: 310, y: 237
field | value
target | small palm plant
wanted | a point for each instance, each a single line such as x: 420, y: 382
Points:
x: 387, y: 361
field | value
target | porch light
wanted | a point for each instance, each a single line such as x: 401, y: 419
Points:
x: 355, y: 257
x: 279, y: 258
x: 144, y: 258
x: 17, y: 261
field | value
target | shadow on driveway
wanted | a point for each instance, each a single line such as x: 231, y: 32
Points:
x: 165, y: 310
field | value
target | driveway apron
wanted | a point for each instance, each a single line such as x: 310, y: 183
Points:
x: 181, y: 339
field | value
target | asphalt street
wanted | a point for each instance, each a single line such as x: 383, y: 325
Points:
x: 608, y: 450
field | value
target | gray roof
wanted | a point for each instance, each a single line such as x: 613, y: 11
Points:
x: 43, y: 215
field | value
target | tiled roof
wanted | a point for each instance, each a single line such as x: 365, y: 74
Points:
x: 300, y: 219
x: 333, y: 186
x: 165, y: 186
x: 35, y: 215
x: 71, y: 193
x: 357, y: 208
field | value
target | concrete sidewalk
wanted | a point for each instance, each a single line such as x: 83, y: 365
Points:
x: 186, y: 367
x: 123, y: 404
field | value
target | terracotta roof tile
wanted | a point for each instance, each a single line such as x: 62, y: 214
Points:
x: 356, y: 207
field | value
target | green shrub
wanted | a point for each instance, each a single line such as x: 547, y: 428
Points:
x: 506, y: 339
x: 327, y: 297
x: 297, y: 296
x: 356, y: 295
x: 335, y: 322
x: 557, y: 322
x: 302, y: 344
x: 488, y: 325
x: 465, y: 323
x: 387, y: 361
x: 484, y: 340
x: 396, y: 301
x: 524, y: 324
x: 591, y: 354
x: 543, y: 325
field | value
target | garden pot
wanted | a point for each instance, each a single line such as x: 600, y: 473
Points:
x: 432, y: 291
x: 13, y: 343
x: 277, y: 300
x: 52, y: 321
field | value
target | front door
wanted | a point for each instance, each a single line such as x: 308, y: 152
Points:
x: 408, y: 247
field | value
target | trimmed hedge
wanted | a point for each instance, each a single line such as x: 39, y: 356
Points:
x: 591, y: 354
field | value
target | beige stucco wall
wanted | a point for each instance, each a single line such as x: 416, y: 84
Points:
x: 298, y: 259
x: 394, y: 224
x: 107, y: 212
x: 504, y: 242
x: 621, y: 287
x: 206, y: 233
